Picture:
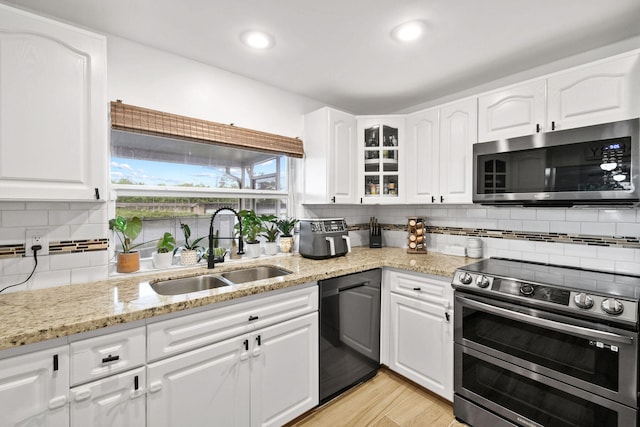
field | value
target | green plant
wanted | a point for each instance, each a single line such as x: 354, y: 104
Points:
x: 127, y: 231
x: 271, y: 232
x: 252, y: 225
x: 166, y: 244
x: 190, y: 246
x: 286, y: 225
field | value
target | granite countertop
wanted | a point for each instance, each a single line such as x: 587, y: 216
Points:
x: 33, y: 316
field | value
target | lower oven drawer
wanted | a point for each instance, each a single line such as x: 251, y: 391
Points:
x: 527, y: 398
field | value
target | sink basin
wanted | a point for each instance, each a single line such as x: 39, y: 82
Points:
x: 188, y: 284
x: 252, y: 274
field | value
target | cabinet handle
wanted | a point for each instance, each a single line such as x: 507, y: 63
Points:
x: 136, y: 383
x: 55, y: 362
x: 155, y: 386
x: 246, y: 345
x: 252, y: 318
x: 259, y: 340
x: 537, y: 127
x: 416, y: 289
x: 553, y: 125
x: 97, y: 192
x: 333, y: 199
x: 110, y: 358
x: 360, y: 200
x: 441, y: 199
x: 433, y: 199
x: 447, y: 316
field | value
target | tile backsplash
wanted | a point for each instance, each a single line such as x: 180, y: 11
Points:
x: 597, y: 238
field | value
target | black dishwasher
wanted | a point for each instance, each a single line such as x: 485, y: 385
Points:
x: 349, y: 331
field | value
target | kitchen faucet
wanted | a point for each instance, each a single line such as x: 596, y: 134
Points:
x: 210, y: 257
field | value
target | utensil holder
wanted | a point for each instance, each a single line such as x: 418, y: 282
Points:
x: 375, y: 240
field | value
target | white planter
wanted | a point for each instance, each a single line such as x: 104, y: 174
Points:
x: 162, y: 260
x: 286, y: 244
x: 252, y: 250
x: 270, y: 248
x: 188, y: 257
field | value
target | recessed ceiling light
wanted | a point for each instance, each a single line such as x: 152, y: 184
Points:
x: 409, y: 31
x: 257, y: 39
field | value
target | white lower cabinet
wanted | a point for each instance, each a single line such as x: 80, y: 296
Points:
x: 265, y: 378
x: 114, y: 401
x: 421, y: 332
x: 34, y: 389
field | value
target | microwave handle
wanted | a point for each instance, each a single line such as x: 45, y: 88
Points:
x: 549, y: 324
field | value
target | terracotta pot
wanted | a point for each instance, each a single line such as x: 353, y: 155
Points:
x: 188, y: 257
x: 286, y: 244
x: 270, y: 248
x: 128, y: 262
x: 162, y: 260
x: 252, y: 250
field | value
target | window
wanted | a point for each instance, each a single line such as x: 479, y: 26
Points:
x: 166, y: 181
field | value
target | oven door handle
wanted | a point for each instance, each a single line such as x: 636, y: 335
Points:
x: 549, y: 324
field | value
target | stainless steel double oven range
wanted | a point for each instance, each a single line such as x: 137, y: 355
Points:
x: 545, y: 345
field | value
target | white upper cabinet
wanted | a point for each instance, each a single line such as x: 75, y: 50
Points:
x: 593, y: 94
x: 511, y: 112
x: 380, y: 150
x: 606, y: 91
x: 53, y: 110
x: 422, y: 156
x: 458, y: 133
x: 330, y: 157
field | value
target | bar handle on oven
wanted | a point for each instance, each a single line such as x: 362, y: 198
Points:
x: 550, y: 324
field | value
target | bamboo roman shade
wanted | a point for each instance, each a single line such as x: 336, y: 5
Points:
x: 151, y: 122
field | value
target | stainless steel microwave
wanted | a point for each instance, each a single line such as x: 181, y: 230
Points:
x: 589, y: 165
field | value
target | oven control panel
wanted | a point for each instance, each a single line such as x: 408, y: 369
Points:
x: 592, y: 305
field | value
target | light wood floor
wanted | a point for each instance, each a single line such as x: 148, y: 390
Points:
x: 387, y: 400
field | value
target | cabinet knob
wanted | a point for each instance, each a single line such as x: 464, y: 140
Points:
x: 155, y: 386
x: 553, y: 125
x: 537, y: 127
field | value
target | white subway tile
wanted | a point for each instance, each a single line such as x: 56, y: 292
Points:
x: 509, y: 225
x: 571, y: 261
x: 24, y: 265
x: 59, y: 233
x: 84, y: 206
x: 68, y: 217
x: 616, y: 254
x: 628, y: 229
x: 581, y: 251
x: 504, y: 253
x: 498, y: 213
x: 536, y: 226
x: 549, y: 248
x: 598, y: 228
x: 456, y: 213
x: 89, y: 274
x: 597, y: 264
x: 50, y: 279
x: 627, y: 267
x: 535, y: 257
x: 523, y: 213
x: 551, y: 214
x: 45, y: 206
x: 564, y: 227
x: 69, y: 261
x: 12, y: 206
x: 579, y: 214
x: 616, y: 215
x: 98, y: 258
x: 12, y: 235
x: 522, y: 245
x: 24, y: 218
x: 477, y: 213
x: 89, y: 231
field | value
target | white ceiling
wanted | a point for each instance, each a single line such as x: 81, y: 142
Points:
x: 339, y: 51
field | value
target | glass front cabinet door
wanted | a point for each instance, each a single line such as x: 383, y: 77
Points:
x: 381, y: 144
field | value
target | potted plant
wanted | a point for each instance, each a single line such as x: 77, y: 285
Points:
x: 252, y: 226
x: 218, y: 252
x: 286, y: 226
x: 127, y: 231
x: 271, y: 234
x: 163, y: 256
x: 190, y: 252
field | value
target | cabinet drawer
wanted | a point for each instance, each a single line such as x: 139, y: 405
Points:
x: 174, y: 336
x: 98, y: 357
x: 419, y: 286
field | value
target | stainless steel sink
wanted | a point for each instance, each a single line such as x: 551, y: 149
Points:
x: 211, y: 281
x: 188, y: 284
x: 252, y: 274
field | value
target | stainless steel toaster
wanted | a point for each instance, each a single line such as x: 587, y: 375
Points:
x: 324, y: 238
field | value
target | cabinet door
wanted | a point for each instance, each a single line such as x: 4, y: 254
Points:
x: 284, y: 371
x: 422, y: 165
x: 421, y: 343
x: 204, y: 387
x: 458, y: 133
x: 381, y: 144
x: 34, y: 389
x: 53, y: 110
x: 342, y: 157
x: 605, y: 92
x: 115, y: 401
x: 512, y: 112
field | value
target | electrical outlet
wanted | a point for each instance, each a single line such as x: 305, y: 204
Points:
x: 36, y: 236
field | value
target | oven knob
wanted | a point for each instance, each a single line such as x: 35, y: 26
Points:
x: 612, y: 306
x: 465, y: 278
x: 583, y: 300
x: 482, y: 281
x: 526, y: 289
